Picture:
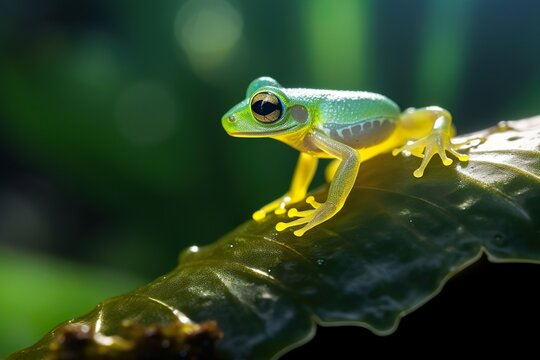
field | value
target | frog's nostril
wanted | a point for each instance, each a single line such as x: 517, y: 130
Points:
x: 232, y: 118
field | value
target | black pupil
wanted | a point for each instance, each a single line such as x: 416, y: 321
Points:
x: 263, y: 107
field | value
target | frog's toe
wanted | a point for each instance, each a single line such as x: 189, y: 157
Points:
x: 445, y: 159
x: 259, y: 215
x: 438, y: 144
x: 301, y: 221
x: 402, y: 150
x: 428, y: 154
x: 469, y: 143
x: 311, y: 201
x: 458, y: 155
x: 295, y: 213
x: 281, y: 208
x: 280, y: 226
x: 299, y: 232
x: 415, y: 148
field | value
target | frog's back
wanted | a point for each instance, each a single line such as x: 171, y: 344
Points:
x: 357, y: 118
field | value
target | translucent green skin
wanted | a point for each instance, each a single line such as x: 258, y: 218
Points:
x: 348, y: 126
x: 356, y: 118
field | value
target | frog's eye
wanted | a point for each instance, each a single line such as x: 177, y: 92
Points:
x: 266, y: 107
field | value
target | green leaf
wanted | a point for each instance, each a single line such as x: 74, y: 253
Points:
x: 390, y: 249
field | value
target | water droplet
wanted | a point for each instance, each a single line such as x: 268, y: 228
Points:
x: 498, y: 238
x: 84, y: 328
x: 503, y: 126
x: 268, y: 270
x: 194, y: 249
x: 320, y: 261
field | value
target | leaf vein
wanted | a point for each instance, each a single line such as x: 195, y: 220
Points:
x: 511, y: 167
x: 507, y: 198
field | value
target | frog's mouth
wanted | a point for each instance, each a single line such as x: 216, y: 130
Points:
x: 253, y: 134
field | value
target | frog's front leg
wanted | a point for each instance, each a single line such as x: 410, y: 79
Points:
x: 437, y: 141
x: 341, y: 185
x: 303, y: 174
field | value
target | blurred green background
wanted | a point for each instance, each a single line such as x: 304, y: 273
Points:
x: 112, y: 154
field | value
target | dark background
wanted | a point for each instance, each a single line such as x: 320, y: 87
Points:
x: 112, y: 154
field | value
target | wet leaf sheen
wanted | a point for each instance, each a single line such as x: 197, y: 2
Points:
x: 391, y: 248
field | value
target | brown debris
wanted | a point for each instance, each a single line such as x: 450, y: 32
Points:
x: 174, y: 341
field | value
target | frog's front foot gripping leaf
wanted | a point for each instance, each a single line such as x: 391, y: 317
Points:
x: 437, y: 142
x: 304, y: 217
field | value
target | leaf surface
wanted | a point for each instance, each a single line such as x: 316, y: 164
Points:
x: 392, y: 247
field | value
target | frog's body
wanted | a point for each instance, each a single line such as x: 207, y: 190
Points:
x: 350, y: 126
x: 356, y: 118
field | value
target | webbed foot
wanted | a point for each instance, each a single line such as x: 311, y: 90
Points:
x: 310, y: 217
x: 437, y: 142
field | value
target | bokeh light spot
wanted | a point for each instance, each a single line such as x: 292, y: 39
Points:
x: 145, y: 114
x: 208, y: 31
x: 95, y: 63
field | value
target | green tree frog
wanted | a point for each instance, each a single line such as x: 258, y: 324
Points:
x: 348, y: 126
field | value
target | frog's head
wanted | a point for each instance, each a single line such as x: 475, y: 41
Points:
x: 265, y: 112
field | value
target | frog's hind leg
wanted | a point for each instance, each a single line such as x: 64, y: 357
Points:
x: 303, y: 174
x: 438, y: 139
